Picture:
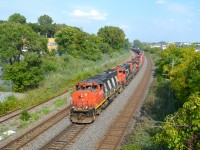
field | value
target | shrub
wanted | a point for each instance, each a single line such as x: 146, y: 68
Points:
x: 25, y: 116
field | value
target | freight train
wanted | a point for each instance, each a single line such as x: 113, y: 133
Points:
x: 92, y: 95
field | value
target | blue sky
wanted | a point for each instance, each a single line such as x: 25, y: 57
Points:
x: 146, y: 20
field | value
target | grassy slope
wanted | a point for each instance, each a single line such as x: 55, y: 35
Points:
x: 62, y: 74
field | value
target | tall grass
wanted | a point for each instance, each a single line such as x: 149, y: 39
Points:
x: 63, y: 72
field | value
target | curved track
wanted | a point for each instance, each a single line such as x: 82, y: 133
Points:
x: 114, y: 136
x: 63, y: 141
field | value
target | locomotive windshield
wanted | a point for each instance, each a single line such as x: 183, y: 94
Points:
x: 122, y: 71
x: 91, y: 87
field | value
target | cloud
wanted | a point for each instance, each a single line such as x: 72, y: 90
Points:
x: 89, y: 15
x: 177, y: 8
x: 124, y: 27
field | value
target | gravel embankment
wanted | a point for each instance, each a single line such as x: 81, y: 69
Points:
x: 96, y: 131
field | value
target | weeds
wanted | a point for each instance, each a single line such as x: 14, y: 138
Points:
x: 61, y: 74
x: 60, y: 102
x: 25, y: 116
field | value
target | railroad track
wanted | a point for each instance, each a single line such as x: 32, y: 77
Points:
x: 116, y: 133
x: 66, y: 137
x: 12, y: 114
x: 35, y: 132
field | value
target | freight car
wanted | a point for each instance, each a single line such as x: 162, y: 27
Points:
x: 139, y: 60
x: 95, y: 93
x: 92, y: 95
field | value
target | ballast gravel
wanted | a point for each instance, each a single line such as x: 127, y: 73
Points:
x: 93, y: 134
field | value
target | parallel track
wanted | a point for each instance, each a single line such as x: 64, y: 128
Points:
x: 65, y: 138
x: 114, y: 136
x: 14, y: 113
x: 35, y: 132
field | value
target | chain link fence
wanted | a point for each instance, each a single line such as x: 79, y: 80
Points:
x: 6, y: 85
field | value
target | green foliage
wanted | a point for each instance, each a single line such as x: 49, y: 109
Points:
x: 182, y: 130
x: 25, y: 74
x: 17, y: 18
x: 77, y: 43
x: 25, y: 116
x: 45, y: 110
x: 158, y: 104
x: 49, y: 64
x: 10, y: 103
x: 174, y: 56
x: 15, y: 37
x: 60, y: 102
x: 185, y: 77
x: 45, y: 19
x: 113, y: 36
x: 138, y: 44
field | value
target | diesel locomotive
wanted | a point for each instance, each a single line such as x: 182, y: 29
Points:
x: 92, y: 95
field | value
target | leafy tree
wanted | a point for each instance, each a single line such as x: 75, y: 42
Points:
x: 45, y: 26
x: 17, y: 18
x: 77, y: 43
x: 37, y: 28
x: 182, y: 130
x: 45, y: 20
x: 138, y: 44
x: 173, y: 56
x: 113, y: 36
x: 185, y: 77
x: 15, y: 38
x: 68, y: 37
x: 25, y: 74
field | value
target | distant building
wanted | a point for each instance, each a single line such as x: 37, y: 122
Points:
x: 52, y: 45
x: 164, y: 47
x: 155, y: 46
x: 160, y: 46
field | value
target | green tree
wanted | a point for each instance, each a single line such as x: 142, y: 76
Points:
x: 46, y: 26
x: 185, y: 77
x: 45, y: 20
x: 77, y: 43
x: 25, y: 74
x: 17, y: 18
x: 138, y: 44
x: 68, y: 39
x: 173, y: 56
x: 182, y: 130
x: 113, y: 36
x: 17, y: 37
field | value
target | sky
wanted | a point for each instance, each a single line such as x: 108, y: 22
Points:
x: 145, y: 20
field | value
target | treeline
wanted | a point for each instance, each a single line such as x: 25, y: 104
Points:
x: 171, y: 114
x: 23, y: 47
x: 181, y: 130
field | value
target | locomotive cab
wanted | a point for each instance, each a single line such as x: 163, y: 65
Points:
x: 123, y: 72
x: 84, y: 101
x: 87, y: 96
x: 92, y: 95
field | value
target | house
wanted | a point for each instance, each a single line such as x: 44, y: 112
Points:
x: 52, y: 45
